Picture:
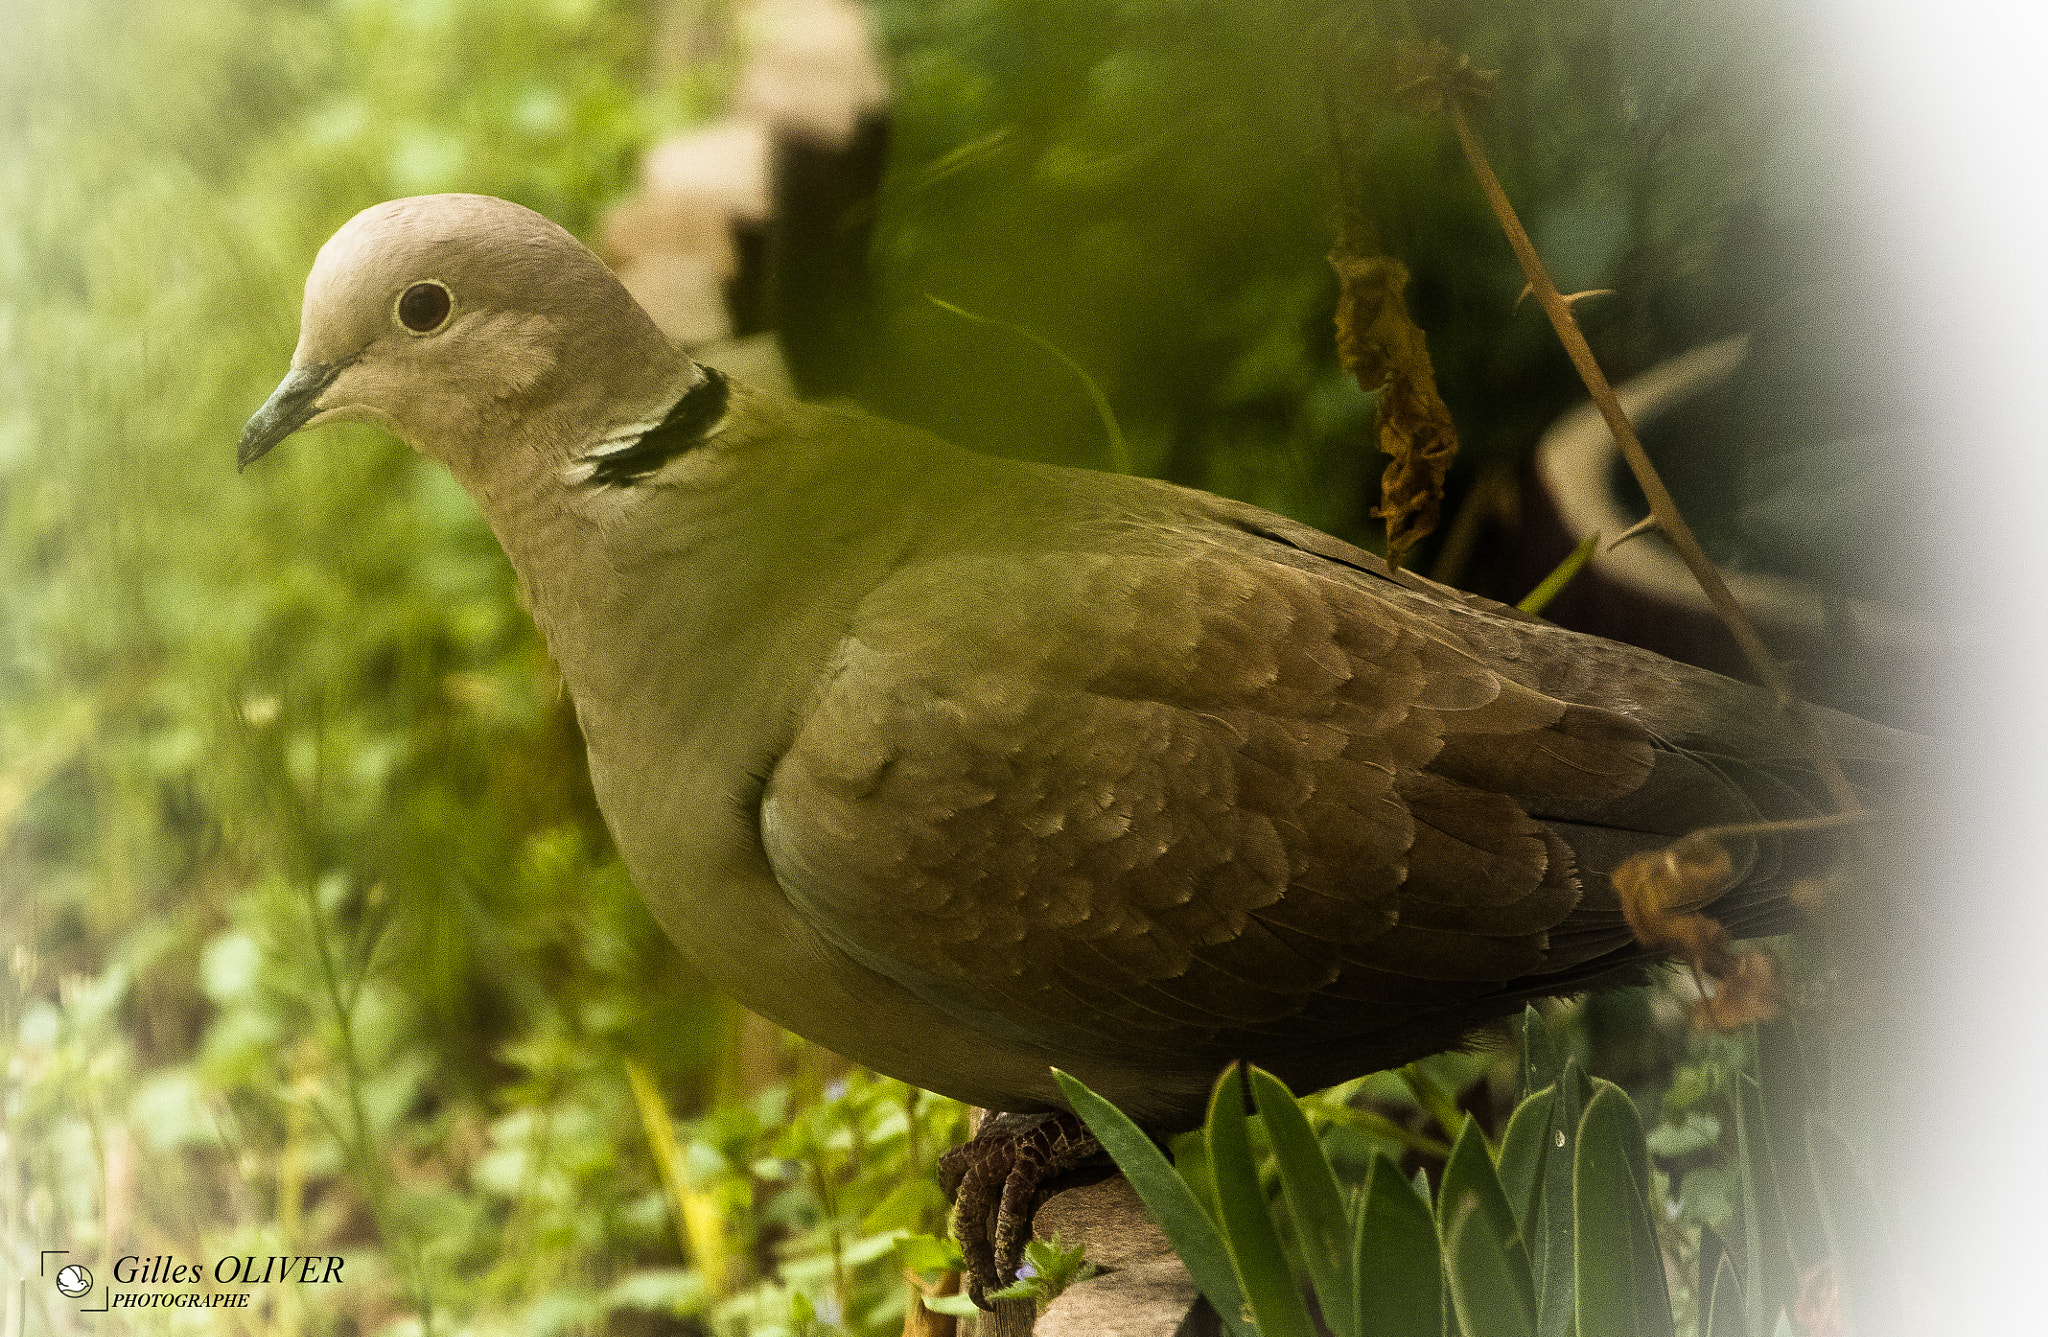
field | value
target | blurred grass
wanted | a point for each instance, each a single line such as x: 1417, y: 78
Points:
x: 314, y: 939
x: 245, y: 719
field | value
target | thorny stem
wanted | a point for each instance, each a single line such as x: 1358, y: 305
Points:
x: 1662, y: 508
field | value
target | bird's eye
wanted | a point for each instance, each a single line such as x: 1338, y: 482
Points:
x: 424, y: 307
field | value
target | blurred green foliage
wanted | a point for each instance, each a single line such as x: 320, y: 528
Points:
x: 1153, y: 188
x: 314, y: 939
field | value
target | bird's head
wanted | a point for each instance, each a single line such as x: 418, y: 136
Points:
x: 450, y: 318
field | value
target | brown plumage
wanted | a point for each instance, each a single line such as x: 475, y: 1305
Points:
x: 966, y: 768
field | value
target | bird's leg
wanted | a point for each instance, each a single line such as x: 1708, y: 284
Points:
x: 996, y: 1181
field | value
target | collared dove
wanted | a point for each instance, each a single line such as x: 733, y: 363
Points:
x: 966, y: 768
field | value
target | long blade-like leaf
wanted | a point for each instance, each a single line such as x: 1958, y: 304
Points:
x: 1167, y: 1196
x: 1855, y: 1225
x: 1539, y: 1054
x: 1399, y: 1269
x: 1248, y: 1230
x: 1489, y: 1297
x: 1724, y: 1305
x: 1620, y: 1271
x: 1769, y: 1279
x: 1521, y: 1158
x: 1313, y: 1199
x: 1551, y: 1255
x: 1786, y: 1090
x: 1469, y: 1176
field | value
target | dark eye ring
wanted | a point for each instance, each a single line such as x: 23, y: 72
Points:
x: 424, y: 307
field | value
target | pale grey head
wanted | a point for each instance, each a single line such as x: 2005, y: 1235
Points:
x: 469, y: 327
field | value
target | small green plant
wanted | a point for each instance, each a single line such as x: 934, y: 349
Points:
x: 1049, y: 1267
x: 1565, y: 1227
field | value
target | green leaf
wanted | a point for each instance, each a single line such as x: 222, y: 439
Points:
x: 1262, y: 1267
x: 1707, y: 1197
x: 959, y: 1306
x: 1057, y: 1266
x: 929, y: 1255
x: 1698, y: 1132
x: 1539, y: 1053
x: 1787, y: 1092
x: 1470, y: 1176
x: 1399, y: 1269
x: 1855, y: 1225
x: 909, y: 1205
x: 1052, y: 1267
x: 1551, y: 1259
x: 1522, y: 1149
x: 1374, y: 1124
x: 1189, y: 1152
x: 1313, y: 1200
x: 1433, y: 1097
x: 1489, y: 1281
x: 1167, y: 1197
x: 1724, y: 1305
x: 1620, y: 1271
x: 1769, y: 1280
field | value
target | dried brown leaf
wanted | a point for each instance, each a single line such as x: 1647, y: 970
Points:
x: 1818, y: 1310
x: 1745, y: 991
x: 1662, y: 893
x: 1386, y: 352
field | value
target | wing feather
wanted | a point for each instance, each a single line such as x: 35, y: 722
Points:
x: 1186, y: 796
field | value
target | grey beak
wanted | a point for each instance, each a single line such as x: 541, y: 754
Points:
x: 286, y: 411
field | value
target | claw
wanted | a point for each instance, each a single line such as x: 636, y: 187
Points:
x: 1005, y: 1172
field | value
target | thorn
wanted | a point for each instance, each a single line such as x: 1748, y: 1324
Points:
x: 1636, y: 530
x: 1529, y: 290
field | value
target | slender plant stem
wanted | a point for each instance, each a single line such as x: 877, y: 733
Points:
x: 1119, y: 452
x: 842, y: 1283
x: 1379, y: 1125
x: 361, y: 1146
x: 1439, y: 1103
x: 1663, y: 509
x: 363, y: 1143
x: 1552, y: 585
x: 1833, y: 821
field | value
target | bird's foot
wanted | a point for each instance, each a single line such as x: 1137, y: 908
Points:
x: 996, y: 1181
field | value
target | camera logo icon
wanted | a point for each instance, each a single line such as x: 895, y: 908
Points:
x: 74, y: 1280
